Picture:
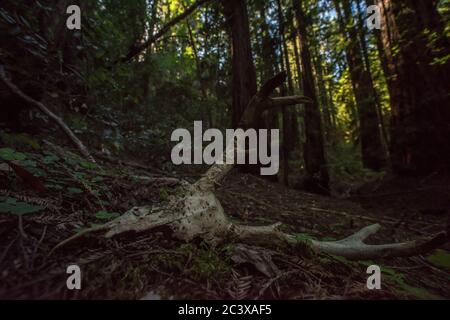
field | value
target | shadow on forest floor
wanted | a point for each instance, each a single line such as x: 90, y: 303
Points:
x: 78, y: 194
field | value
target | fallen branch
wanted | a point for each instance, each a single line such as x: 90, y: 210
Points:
x: 197, y: 212
x: 73, y: 138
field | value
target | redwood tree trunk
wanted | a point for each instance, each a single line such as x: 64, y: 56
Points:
x: 372, y: 151
x: 244, y: 74
x: 317, y: 179
x: 418, y: 72
x: 362, y: 31
x: 288, y: 118
x: 269, y: 120
x: 323, y: 94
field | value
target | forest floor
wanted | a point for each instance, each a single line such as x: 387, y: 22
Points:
x: 62, y: 194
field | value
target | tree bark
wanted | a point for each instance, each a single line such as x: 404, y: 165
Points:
x: 372, y: 151
x: 317, y: 179
x: 416, y: 52
x: 151, y: 30
x: 199, y: 71
x: 244, y: 74
x: 299, y: 129
x: 323, y: 94
x: 362, y: 31
x: 288, y: 119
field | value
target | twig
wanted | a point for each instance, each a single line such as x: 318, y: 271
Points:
x: 271, y: 281
x: 5, y: 252
x: 77, y: 142
x: 39, y: 243
x: 21, y: 230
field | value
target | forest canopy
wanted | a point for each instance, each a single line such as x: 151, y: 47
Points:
x: 138, y: 69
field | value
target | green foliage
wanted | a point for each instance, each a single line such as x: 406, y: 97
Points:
x: 11, y: 155
x: 74, y: 190
x: 50, y: 158
x: 198, y: 262
x: 163, y: 194
x: 87, y: 164
x: 208, y: 263
x: 304, y: 237
x: 19, y: 140
x: 403, y: 287
x: 26, y: 160
x: 341, y: 260
x: 346, y: 113
x: 29, y: 164
x: 399, y: 279
x: 13, y: 206
x: 104, y: 215
x: 440, y: 258
x: 344, y: 161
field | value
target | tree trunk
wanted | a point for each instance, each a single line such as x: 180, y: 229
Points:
x: 299, y: 129
x: 369, y: 130
x: 244, y: 74
x: 269, y: 120
x: 151, y: 31
x: 288, y: 118
x: 323, y: 94
x: 199, y: 71
x: 362, y: 31
x: 317, y: 179
x: 298, y: 66
x: 416, y: 52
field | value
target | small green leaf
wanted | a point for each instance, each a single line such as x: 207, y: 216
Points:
x: 304, y: 237
x: 20, y: 139
x: 440, y: 258
x: 54, y: 186
x: 104, y: 215
x: 87, y: 164
x: 49, y: 159
x: 73, y: 190
x: 80, y: 176
x: 97, y: 179
x: 10, y: 205
x: 28, y: 163
x: 11, y: 155
x: 11, y: 201
x: 37, y: 172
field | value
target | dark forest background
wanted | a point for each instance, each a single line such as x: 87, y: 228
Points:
x: 381, y: 96
x: 378, y: 124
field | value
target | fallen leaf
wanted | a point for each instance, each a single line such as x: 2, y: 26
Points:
x: 27, y: 177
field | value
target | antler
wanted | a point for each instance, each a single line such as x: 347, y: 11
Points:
x: 198, y: 212
x: 354, y: 248
x: 257, y: 105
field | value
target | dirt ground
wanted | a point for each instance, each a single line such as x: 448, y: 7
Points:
x: 152, y: 265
